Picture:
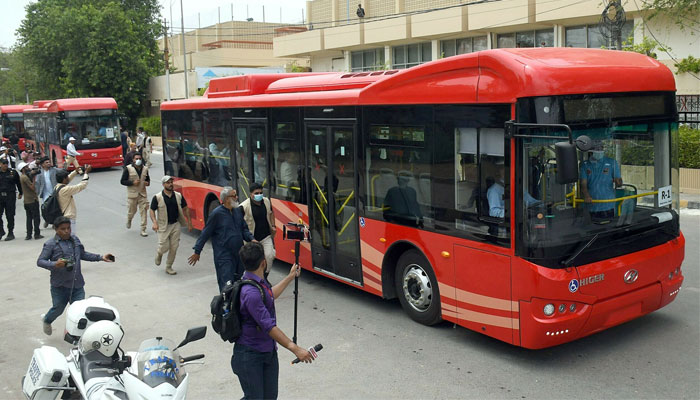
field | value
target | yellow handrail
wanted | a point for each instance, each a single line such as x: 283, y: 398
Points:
x: 346, y: 202
x: 371, y: 190
x: 319, y: 190
x: 346, y: 225
x: 321, y: 211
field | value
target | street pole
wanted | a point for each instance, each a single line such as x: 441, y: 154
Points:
x: 166, y: 55
x: 184, y: 50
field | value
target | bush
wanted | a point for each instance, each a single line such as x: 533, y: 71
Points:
x: 689, y: 147
x: 151, y: 125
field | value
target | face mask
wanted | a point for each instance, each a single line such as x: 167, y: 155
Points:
x: 597, y: 155
x: 137, y: 162
x: 258, y: 197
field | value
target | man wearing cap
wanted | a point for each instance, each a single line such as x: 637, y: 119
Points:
x: 9, y: 179
x: 600, y: 175
x: 168, y: 211
x: 135, y: 177
x: 72, y: 154
x: 31, y: 201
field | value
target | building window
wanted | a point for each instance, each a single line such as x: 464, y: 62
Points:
x: 454, y: 47
x: 538, y: 38
x: 367, y: 60
x: 411, y: 55
x: 591, y: 36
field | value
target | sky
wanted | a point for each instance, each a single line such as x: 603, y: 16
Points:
x: 204, y: 12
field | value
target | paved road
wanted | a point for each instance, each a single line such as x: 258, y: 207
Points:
x: 371, y: 349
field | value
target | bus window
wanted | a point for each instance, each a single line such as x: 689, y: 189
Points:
x: 288, y: 165
x: 257, y: 137
x: 194, y: 166
x: 172, y: 146
x: 218, y: 157
x: 468, y: 165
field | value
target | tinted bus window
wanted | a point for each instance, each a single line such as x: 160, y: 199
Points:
x: 218, y: 151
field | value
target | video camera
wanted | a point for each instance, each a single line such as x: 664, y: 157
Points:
x: 297, y: 232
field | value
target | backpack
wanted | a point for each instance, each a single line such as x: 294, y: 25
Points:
x: 51, y: 209
x: 226, y: 310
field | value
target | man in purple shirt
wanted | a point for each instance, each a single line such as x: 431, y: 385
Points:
x: 62, y: 255
x: 254, y: 358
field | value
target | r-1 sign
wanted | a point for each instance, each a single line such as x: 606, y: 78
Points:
x: 664, y: 196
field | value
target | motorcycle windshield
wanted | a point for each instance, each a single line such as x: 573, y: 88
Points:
x: 158, y: 363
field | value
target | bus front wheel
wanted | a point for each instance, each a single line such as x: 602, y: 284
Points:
x: 417, y: 288
x: 211, y: 206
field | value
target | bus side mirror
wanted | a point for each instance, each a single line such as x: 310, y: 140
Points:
x: 567, y: 162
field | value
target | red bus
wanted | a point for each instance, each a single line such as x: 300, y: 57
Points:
x: 454, y: 185
x: 93, y: 122
x: 12, y: 123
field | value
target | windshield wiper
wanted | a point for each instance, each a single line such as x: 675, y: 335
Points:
x: 581, y: 248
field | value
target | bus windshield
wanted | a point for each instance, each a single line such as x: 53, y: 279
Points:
x: 12, y: 124
x: 627, y: 192
x: 96, y: 128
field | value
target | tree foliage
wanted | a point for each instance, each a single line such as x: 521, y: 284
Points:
x: 684, y: 13
x: 93, y: 48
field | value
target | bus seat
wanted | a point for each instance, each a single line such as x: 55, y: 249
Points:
x: 382, y: 183
x: 424, y: 195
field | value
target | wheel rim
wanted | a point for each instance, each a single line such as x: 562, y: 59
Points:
x: 417, y: 288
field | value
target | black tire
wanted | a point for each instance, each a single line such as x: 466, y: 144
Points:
x: 417, y: 288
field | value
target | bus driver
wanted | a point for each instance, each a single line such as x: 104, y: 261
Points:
x: 598, y: 174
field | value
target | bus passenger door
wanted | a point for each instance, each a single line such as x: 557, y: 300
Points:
x: 332, y: 200
x: 250, y: 157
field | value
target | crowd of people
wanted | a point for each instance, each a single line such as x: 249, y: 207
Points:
x: 228, y: 227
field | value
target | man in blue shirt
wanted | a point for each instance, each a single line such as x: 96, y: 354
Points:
x: 62, y: 255
x: 600, y: 175
x: 254, y: 358
x: 228, y: 230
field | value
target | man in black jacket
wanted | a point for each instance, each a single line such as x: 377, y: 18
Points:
x: 9, y: 179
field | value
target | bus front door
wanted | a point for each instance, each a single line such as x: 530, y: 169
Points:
x: 333, y: 201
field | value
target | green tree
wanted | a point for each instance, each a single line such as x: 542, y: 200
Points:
x: 93, y: 48
x: 684, y: 13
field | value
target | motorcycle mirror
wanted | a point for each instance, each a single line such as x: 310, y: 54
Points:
x: 192, y: 335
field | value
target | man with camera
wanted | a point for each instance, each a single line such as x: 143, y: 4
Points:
x: 62, y: 255
x: 9, y: 179
x: 31, y: 200
x: 9, y: 154
x: 227, y: 230
x: 254, y: 358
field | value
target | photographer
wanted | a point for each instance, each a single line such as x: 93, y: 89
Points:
x: 31, y: 200
x: 9, y: 179
x: 62, y: 255
x: 254, y: 358
x: 9, y: 154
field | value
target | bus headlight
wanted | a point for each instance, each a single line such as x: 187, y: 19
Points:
x: 548, y: 309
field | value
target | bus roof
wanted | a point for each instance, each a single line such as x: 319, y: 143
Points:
x: 41, y: 103
x: 91, y: 103
x: 489, y: 76
x: 16, y: 108
x: 35, y: 110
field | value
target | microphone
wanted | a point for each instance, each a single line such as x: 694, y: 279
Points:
x: 313, y: 351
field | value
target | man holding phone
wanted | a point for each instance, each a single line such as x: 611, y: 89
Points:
x: 62, y: 255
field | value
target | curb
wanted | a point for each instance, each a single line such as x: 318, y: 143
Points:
x: 693, y: 204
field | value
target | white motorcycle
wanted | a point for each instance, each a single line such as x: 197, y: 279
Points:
x: 98, y: 369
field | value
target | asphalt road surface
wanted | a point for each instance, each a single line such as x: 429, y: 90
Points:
x: 371, y: 348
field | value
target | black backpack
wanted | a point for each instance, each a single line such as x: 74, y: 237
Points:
x: 226, y: 310
x: 51, y: 209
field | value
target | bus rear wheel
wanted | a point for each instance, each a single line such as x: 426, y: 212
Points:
x: 417, y: 288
